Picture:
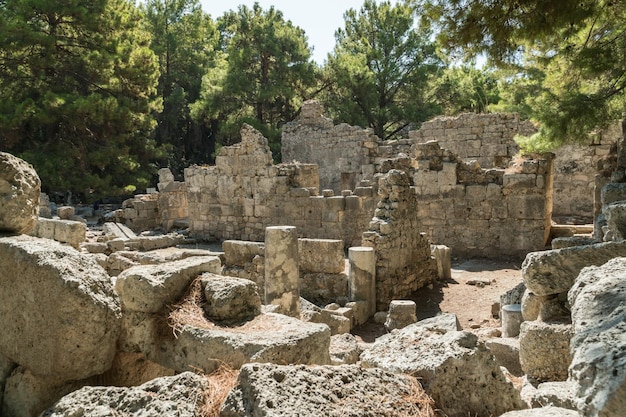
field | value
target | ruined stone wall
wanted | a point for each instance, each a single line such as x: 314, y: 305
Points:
x: 172, y: 199
x: 580, y: 171
x: 244, y: 193
x: 342, y: 152
x: 403, y: 255
x: 486, y: 138
x: 483, y: 212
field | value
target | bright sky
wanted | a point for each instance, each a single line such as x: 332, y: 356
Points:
x: 318, y: 18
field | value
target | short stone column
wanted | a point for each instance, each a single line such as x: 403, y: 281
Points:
x: 511, y: 317
x: 281, y: 269
x: 362, y: 278
x: 401, y: 314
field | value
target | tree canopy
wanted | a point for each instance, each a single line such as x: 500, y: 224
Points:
x: 380, y: 69
x: 76, y: 91
x: 566, y: 60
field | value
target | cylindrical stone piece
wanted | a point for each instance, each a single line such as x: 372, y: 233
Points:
x: 281, y: 269
x: 512, y: 319
x: 362, y: 278
x: 401, y: 314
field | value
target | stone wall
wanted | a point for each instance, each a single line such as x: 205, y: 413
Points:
x: 485, y: 138
x: 243, y: 193
x: 483, y: 212
x: 172, y: 200
x: 403, y: 255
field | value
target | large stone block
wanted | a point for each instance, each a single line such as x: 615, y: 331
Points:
x: 543, y: 412
x: 598, y: 302
x: 60, y: 313
x: 181, y: 395
x: 268, y: 338
x: 321, y: 255
x: 554, y: 271
x: 19, y: 195
x: 275, y: 390
x: 230, y: 299
x: 64, y: 231
x: 544, y: 350
x: 149, y: 288
x: 456, y: 370
x: 240, y: 253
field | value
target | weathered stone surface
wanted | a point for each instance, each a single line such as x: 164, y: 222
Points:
x: 444, y: 322
x: 514, y: 295
x: 362, y: 277
x: 598, y: 300
x: 149, y: 288
x: 344, y: 349
x: 456, y: 370
x: 274, y: 390
x: 401, y: 314
x: 554, y: 394
x: 567, y: 242
x: 229, y: 298
x: 19, y: 195
x: 60, y: 313
x: 6, y: 367
x: 321, y: 255
x: 506, y: 352
x: 240, y: 253
x: 554, y: 271
x: 531, y: 305
x: 267, y: 338
x: 542, y: 412
x: 544, y: 350
x: 181, y: 395
x: 511, y: 318
x: 338, y: 324
x: 64, y: 231
x: 27, y: 395
x: 281, y: 269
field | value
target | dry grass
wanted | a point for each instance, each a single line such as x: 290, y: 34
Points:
x: 189, y: 311
x: 417, y: 403
x: 219, y: 384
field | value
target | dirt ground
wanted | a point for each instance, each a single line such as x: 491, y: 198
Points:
x: 471, y: 303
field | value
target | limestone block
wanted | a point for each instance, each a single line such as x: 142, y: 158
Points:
x: 66, y: 212
x: 514, y: 181
x: 338, y: 324
x: 401, y: 314
x: 531, y: 305
x: 20, y: 188
x: 344, y: 349
x: 542, y: 412
x: 27, y: 395
x: 554, y: 271
x: 240, y: 253
x: 526, y: 207
x: 455, y: 369
x: 514, y: 295
x: 281, y: 269
x: 544, y: 350
x: 60, y: 313
x: 229, y: 298
x: 290, y: 341
x: 598, y: 300
x: 321, y: 255
x: 181, y: 395
x: 612, y: 192
x: 616, y: 221
x: 442, y: 255
x: 117, y: 230
x: 550, y: 394
x: 6, y: 368
x: 149, y: 288
x: 360, y: 312
x: 267, y: 389
x: 362, y: 278
x: 445, y: 322
x: 506, y: 352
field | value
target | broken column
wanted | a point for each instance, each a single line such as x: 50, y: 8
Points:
x: 281, y: 269
x: 362, y: 279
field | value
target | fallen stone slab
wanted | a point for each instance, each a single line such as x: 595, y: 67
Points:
x: 309, y: 312
x: 20, y: 188
x: 149, y: 288
x: 334, y: 391
x: 506, y: 352
x: 554, y: 394
x: 60, y: 313
x: 457, y: 371
x: 554, y: 271
x: 230, y: 299
x: 64, y: 231
x: 180, y: 395
x: 270, y: 337
x: 598, y: 303
x: 344, y: 349
x: 113, y: 230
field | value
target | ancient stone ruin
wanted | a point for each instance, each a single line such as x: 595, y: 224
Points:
x: 244, y: 300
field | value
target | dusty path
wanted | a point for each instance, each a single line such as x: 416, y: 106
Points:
x: 471, y: 303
